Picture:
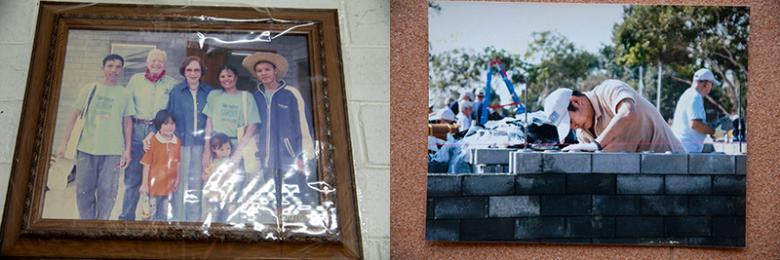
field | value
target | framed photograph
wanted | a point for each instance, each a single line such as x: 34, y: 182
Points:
x: 587, y: 123
x: 169, y: 131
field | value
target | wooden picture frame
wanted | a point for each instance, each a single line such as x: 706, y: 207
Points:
x: 25, y: 233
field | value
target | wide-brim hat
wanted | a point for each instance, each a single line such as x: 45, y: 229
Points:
x: 276, y: 59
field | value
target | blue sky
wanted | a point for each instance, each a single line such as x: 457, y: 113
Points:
x: 476, y: 25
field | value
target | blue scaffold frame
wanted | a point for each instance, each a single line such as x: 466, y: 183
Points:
x: 515, y: 99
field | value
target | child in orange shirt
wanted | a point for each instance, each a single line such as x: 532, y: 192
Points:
x: 161, y: 165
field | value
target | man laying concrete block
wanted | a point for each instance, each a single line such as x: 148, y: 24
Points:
x: 612, y: 117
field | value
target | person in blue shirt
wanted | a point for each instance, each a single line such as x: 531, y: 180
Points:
x: 689, y: 116
x: 186, y: 102
x: 285, y: 141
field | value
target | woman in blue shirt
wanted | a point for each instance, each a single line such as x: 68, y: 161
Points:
x: 186, y: 102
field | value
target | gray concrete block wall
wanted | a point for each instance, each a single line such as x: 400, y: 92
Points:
x: 560, y: 203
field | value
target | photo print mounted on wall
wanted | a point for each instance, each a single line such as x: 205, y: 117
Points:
x: 587, y: 123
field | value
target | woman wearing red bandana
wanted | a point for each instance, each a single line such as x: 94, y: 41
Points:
x: 150, y: 92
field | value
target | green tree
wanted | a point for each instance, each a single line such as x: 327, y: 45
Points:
x: 560, y: 64
x: 682, y: 39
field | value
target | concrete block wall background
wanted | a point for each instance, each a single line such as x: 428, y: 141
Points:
x: 365, y: 37
x: 667, y: 199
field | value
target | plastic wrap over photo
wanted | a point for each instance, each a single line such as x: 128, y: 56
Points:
x: 587, y: 123
x: 211, y: 128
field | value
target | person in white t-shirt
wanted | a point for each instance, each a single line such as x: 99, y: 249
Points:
x: 464, y: 116
x: 689, y: 117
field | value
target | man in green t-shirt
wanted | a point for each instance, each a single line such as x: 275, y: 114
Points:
x: 106, y: 108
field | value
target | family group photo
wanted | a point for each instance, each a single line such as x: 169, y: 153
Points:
x: 159, y: 126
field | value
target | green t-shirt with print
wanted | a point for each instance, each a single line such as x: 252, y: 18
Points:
x: 103, y: 132
x: 226, y: 112
x: 150, y: 97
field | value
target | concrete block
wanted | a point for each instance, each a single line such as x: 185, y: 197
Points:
x: 488, y: 184
x: 615, y: 205
x: 5, y: 175
x: 566, y: 205
x: 597, y: 226
x: 374, y: 200
x: 444, y: 185
x: 663, y: 163
x: 710, y: 164
x: 368, y: 76
x: 376, y: 248
x: 525, y: 162
x: 639, y: 227
x: 513, y: 206
x: 460, y: 208
x: 8, y: 133
x: 442, y: 230
x: 716, y: 241
x: 712, y: 205
x: 644, y: 184
x: 640, y: 240
x: 733, y: 227
x: 368, y: 22
x: 687, y: 184
x: 540, y: 184
x: 687, y: 226
x: 740, y: 164
x: 14, y: 61
x: 500, y: 229
x: 374, y: 119
x: 541, y: 227
x: 567, y: 240
x: 566, y: 162
x: 590, y: 184
x: 16, y: 24
x: 491, y: 156
x: 358, y: 145
x: 663, y: 205
x: 739, y: 202
x: 616, y: 162
x: 429, y: 208
x: 490, y: 168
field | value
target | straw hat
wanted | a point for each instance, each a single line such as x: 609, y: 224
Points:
x: 279, y: 61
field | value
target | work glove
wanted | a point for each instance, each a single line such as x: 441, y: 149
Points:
x: 581, y: 147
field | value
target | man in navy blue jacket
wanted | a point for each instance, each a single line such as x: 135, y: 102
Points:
x: 285, y: 133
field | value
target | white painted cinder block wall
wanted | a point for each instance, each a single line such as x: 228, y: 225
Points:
x: 365, y: 44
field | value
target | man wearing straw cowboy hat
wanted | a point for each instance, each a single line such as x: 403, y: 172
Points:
x: 285, y: 141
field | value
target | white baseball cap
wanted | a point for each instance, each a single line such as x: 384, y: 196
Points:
x: 443, y: 114
x: 468, y: 94
x: 556, y: 110
x: 705, y: 74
